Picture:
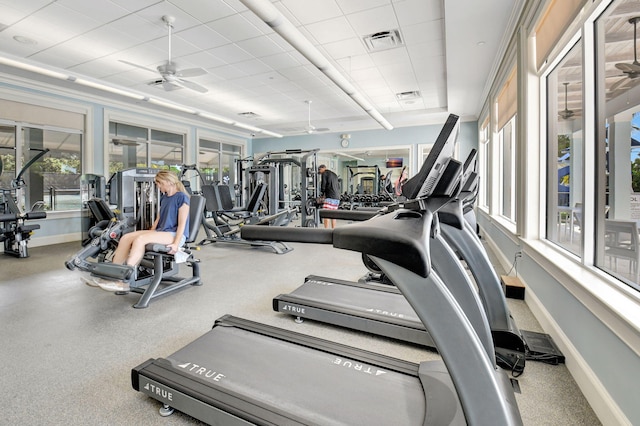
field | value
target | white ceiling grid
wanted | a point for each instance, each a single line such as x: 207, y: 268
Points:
x: 250, y: 68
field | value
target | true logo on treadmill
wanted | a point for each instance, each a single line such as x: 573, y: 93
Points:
x: 320, y: 282
x: 386, y: 313
x: 356, y: 366
x: 292, y: 308
x: 159, y: 391
x: 202, y: 371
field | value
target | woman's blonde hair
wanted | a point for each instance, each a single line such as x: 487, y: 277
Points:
x: 170, y: 177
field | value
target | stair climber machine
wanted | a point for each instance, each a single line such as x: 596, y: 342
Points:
x: 14, y: 231
x: 136, y: 196
x: 242, y: 372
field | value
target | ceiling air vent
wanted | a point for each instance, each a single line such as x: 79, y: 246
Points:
x: 383, y: 40
x: 248, y: 114
x: 406, y: 96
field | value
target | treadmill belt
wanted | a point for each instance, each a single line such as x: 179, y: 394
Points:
x: 304, y: 384
x: 368, y: 302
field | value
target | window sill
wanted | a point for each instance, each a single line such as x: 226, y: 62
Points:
x: 616, y: 304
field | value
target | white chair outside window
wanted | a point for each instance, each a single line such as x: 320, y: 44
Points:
x: 621, y: 243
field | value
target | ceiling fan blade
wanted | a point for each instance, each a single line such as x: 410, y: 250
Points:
x: 171, y: 85
x: 138, y: 66
x: 628, y: 67
x: 191, y: 72
x: 193, y: 86
x: 620, y: 84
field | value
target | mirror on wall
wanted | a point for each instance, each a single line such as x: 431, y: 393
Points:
x: 373, y: 171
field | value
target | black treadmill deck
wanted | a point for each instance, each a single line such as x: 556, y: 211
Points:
x: 208, y: 379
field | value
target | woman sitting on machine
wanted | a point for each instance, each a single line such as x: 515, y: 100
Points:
x: 171, y: 227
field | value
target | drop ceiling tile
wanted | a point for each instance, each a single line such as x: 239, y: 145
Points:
x: 205, y: 11
x: 398, y: 57
x: 134, y: 5
x: 372, y: 21
x: 102, y: 41
x: 300, y: 72
x: 21, y: 50
x: 281, y: 61
x: 351, y: 6
x: 423, y: 32
x: 411, y: 12
x: 331, y: 30
x: 366, y: 74
x: 154, y: 14
x: 260, y: 46
x: 235, y: 28
x: 356, y: 62
x: 257, y: 68
x: 102, y: 11
x: 228, y: 72
x: 202, y: 60
x: 428, y: 54
x: 345, y: 48
x: 56, y: 22
x: 203, y: 37
x: 308, y: 12
x: 62, y: 57
x: 230, y: 53
x: 146, y: 55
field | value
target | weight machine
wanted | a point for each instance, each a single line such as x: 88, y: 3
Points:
x: 281, y: 170
x: 14, y: 232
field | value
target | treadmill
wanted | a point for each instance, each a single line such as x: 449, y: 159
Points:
x: 381, y: 309
x: 243, y: 372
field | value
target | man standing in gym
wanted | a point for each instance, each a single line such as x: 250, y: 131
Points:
x: 330, y: 190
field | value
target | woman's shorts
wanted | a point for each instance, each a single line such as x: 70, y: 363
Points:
x: 182, y: 240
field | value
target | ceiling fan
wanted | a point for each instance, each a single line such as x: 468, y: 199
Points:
x: 567, y: 113
x: 173, y: 78
x: 631, y: 70
x: 310, y: 129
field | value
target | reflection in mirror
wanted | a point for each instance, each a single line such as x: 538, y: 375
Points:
x: 369, y: 177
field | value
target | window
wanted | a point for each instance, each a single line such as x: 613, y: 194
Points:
x: 52, y: 182
x: 565, y: 152
x: 483, y: 163
x: 134, y: 146
x: 507, y: 143
x: 506, y: 105
x: 618, y: 145
x: 218, y: 163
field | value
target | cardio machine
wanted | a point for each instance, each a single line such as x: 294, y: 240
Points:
x: 242, y: 372
x: 382, y: 309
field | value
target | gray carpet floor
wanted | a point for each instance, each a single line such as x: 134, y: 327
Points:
x: 68, y: 349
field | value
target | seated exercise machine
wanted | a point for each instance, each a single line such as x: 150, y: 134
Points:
x: 225, y: 221
x: 242, y: 372
x: 14, y: 231
x: 157, y: 274
x: 381, y: 309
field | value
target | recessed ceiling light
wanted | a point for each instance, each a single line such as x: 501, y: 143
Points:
x: 24, y: 40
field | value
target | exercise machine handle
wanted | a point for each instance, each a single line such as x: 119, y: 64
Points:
x: 281, y: 233
x: 355, y: 215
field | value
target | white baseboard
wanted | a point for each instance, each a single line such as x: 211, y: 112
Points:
x: 55, y: 239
